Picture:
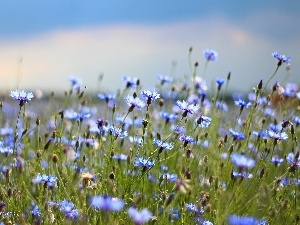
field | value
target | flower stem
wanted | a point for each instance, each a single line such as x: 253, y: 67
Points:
x: 270, y: 78
x: 16, y: 131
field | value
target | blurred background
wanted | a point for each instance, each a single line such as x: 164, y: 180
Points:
x: 43, y: 42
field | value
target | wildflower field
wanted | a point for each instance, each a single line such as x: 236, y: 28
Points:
x: 179, y: 153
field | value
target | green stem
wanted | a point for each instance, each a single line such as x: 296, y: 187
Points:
x: 205, y: 68
x: 270, y: 78
x: 16, y: 130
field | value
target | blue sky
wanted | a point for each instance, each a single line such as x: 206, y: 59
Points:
x: 143, y: 38
x: 28, y: 17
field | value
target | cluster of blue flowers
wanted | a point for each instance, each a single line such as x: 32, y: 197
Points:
x: 66, y: 207
x: 47, y: 180
x: 173, y: 139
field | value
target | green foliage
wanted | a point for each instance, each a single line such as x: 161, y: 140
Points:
x: 83, y: 153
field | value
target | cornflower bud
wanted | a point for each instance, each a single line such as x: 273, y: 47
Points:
x: 38, y: 121
x: 292, y: 129
x: 134, y: 95
x: 225, y: 138
x: 169, y: 199
x: 112, y: 176
x: 260, y: 85
x: 145, y: 123
x: 262, y: 172
x: 54, y: 158
x: 161, y: 102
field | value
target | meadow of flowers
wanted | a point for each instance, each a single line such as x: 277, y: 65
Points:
x: 179, y: 153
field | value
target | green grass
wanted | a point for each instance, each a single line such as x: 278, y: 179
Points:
x: 46, y: 141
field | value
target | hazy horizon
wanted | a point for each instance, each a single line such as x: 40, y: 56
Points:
x: 42, y: 43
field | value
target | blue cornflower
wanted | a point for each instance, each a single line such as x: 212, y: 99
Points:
x: 193, y: 99
x: 298, y: 95
x: 83, y: 115
x: 242, y: 174
x: 293, y: 160
x: 99, y: 127
x: 165, y: 79
x: 200, y: 85
x: 237, y: 96
x: 134, y: 102
x: 281, y: 58
x: 48, y: 180
x: 210, y: 55
x: 162, y: 145
x: 164, y: 168
x: 261, y: 134
x: 290, y: 89
x: 100, y: 123
x: 275, y: 128
x: 186, y: 139
x: 276, y: 160
x: 151, y: 178
x: 220, y: 82
x: 2, y: 205
x: 22, y: 96
x: 269, y: 112
x: 245, y: 220
x: 168, y: 116
x: 131, y: 82
x: 117, y: 132
x: 120, y: 157
x: 6, y: 150
x: 70, y: 114
x: 66, y: 207
x: 187, y: 108
x: 242, y: 104
x: 206, y: 104
x: 237, y: 135
x: 297, y: 120
x: 261, y: 100
x: 203, y: 121
x: 136, y: 140
x: 5, y: 169
x: 44, y: 164
x: 224, y: 155
x: 106, y: 203
x: 194, y: 208
x: 174, y: 213
x: 106, y: 97
x: 171, y: 177
x: 69, y: 209
x: 178, y: 129
x: 290, y: 157
x: 241, y: 161
x: 222, y: 106
x: 36, y: 212
x: 127, y: 123
x: 202, y: 95
x: 145, y: 163
x: 288, y: 93
x: 206, y: 222
x: 139, y: 217
x: 277, y: 136
x: 75, y: 82
x: 5, y: 131
x: 262, y: 222
x: 150, y: 96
